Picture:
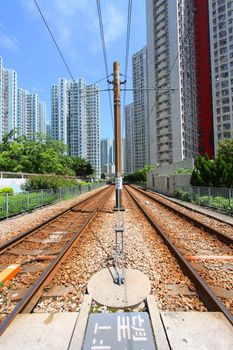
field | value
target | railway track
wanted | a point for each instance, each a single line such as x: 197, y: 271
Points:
x: 185, y: 242
x: 40, y: 252
x: 189, y: 215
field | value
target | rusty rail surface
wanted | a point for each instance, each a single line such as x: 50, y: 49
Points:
x: 221, y: 236
x: 206, y: 294
x: 29, y: 300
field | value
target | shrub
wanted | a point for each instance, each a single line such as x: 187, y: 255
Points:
x: 5, y: 190
x: 181, y: 194
x: 45, y: 182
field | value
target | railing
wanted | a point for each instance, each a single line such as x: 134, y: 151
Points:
x: 12, y: 175
x: 17, y: 203
x: 213, y: 197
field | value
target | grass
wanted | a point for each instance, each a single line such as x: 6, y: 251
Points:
x: 25, y: 202
x: 217, y: 202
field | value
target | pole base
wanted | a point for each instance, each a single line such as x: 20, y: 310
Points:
x: 121, y: 208
x: 106, y: 291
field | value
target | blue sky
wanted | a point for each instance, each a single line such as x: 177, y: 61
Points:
x: 25, y: 44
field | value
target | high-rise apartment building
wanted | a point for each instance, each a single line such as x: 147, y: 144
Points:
x: 129, y: 132
x: 31, y: 114
x: 19, y: 109
x: 42, y: 117
x: 171, y: 73
x: 75, y: 114
x: 22, y: 112
x: 106, y: 154
x: 8, y: 99
x: 203, y: 78
x: 140, y: 113
x: 221, y: 40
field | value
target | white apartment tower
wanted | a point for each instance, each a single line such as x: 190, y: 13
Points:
x: 75, y: 113
x: 140, y: 112
x: 31, y: 114
x: 8, y: 99
x: 129, y: 130
x: 221, y: 42
x: 42, y: 117
x: 171, y: 73
x: 22, y: 112
x: 106, y: 155
x: 19, y: 109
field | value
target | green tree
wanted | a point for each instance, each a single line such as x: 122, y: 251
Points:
x: 139, y: 175
x: 82, y: 168
x: 217, y: 172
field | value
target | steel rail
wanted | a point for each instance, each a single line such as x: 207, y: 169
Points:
x: 221, y: 236
x: 206, y: 294
x: 27, y: 233
x: 182, y: 204
x: 55, y: 264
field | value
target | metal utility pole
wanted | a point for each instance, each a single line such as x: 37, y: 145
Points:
x: 117, y: 134
x: 119, y: 256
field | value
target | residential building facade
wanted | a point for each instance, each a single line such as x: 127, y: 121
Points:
x: 203, y: 78
x: 8, y: 99
x: 140, y: 110
x: 19, y: 109
x: 75, y: 114
x: 221, y: 41
x: 171, y: 80
x: 31, y: 114
x: 129, y: 137
x: 106, y: 156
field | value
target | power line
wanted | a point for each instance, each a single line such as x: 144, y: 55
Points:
x: 104, y: 54
x: 54, y: 40
x: 128, y: 35
x: 127, y: 55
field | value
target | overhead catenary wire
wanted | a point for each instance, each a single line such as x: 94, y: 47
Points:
x: 128, y: 31
x: 54, y: 40
x: 104, y: 54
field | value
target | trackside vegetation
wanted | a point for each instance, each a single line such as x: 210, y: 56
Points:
x: 41, y: 155
x: 216, y: 172
x: 139, y: 175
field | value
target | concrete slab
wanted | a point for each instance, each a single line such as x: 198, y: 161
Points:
x: 39, y: 332
x: 156, y: 322
x: 105, y: 292
x: 198, y: 330
x: 80, y: 327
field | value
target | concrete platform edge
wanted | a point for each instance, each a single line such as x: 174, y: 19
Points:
x: 81, y: 324
x: 157, y: 325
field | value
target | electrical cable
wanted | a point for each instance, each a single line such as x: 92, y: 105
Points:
x: 104, y: 54
x: 54, y: 40
x: 128, y: 31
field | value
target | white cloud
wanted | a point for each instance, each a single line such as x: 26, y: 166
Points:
x: 8, y: 41
x: 75, y: 26
x: 114, y: 22
x: 76, y: 21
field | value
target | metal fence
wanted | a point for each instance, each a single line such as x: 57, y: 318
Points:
x: 13, y: 204
x: 217, y: 198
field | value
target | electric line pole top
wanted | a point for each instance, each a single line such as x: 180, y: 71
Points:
x: 117, y: 133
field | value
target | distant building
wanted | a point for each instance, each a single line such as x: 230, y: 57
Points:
x: 31, y: 114
x: 19, y: 109
x: 75, y: 114
x: 8, y: 99
x: 48, y: 129
x: 140, y: 110
x: 123, y: 156
x: 42, y: 117
x: 106, y: 156
x: 129, y: 148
